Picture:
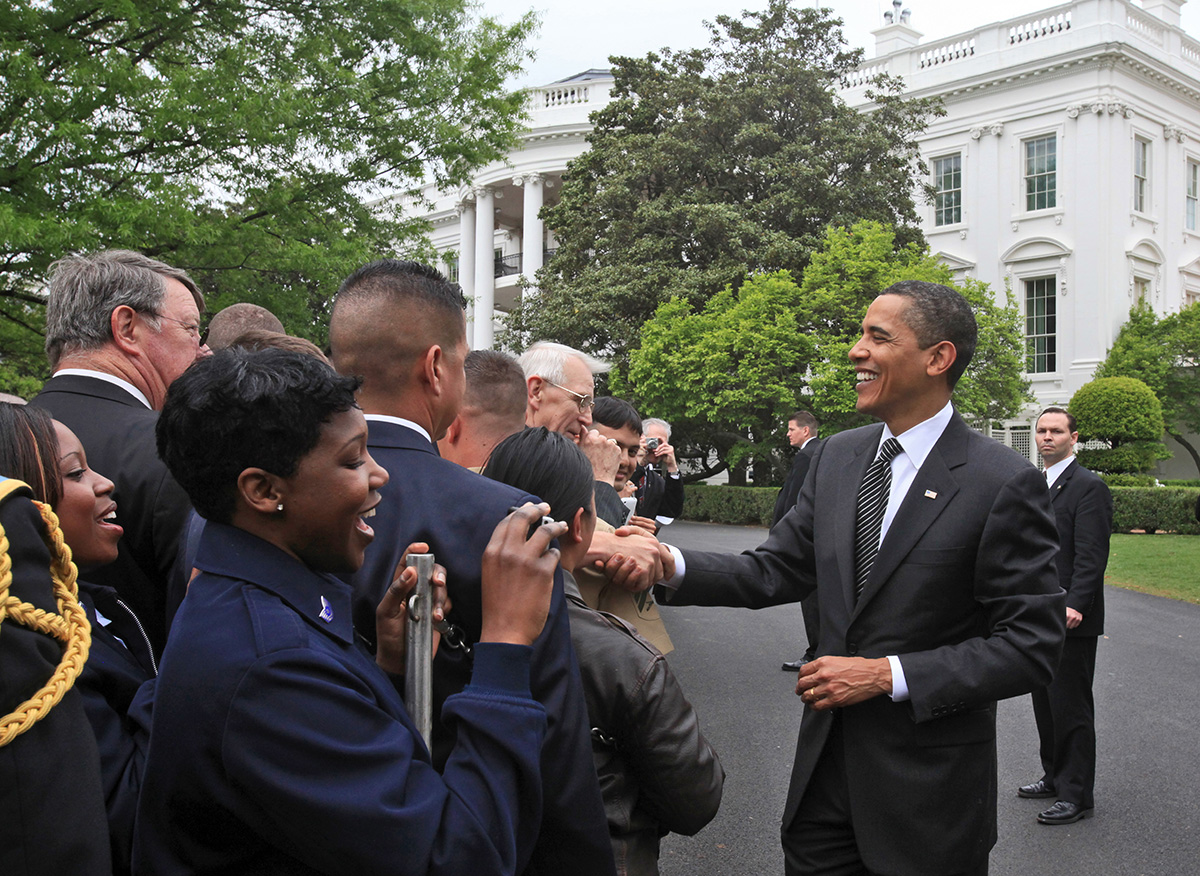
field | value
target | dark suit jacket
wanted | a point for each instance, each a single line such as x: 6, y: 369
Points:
x: 1083, y: 512
x: 51, y: 800
x: 786, y: 500
x: 117, y: 433
x: 117, y: 687
x: 963, y: 590
x: 455, y: 511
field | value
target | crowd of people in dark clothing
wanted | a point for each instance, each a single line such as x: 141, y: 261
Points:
x: 204, y: 598
x: 231, y: 508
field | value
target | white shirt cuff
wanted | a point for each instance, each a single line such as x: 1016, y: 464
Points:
x: 680, y: 569
x: 899, y: 683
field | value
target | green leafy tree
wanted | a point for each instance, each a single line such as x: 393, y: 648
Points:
x: 239, y: 139
x: 1163, y: 354
x: 729, y: 373
x: 711, y: 165
x: 1125, y: 414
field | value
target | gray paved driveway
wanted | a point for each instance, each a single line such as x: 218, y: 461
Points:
x: 1148, y: 722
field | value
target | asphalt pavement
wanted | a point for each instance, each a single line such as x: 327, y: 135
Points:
x: 1147, y: 690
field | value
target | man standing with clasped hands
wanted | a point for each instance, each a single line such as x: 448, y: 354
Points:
x: 932, y: 551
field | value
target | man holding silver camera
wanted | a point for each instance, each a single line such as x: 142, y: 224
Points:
x: 659, y: 487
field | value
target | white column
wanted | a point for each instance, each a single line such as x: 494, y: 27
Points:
x: 485, y: 270
x: 466, y: 259
x: 532, y: 227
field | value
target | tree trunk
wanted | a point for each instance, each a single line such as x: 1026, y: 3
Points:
x: 1186, y: 445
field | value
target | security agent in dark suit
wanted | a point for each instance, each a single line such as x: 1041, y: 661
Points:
x: 1065, y: 710
x: 399, y: 326
x: 959, y: 606
x: 120, y: 327
x: 802, y: 434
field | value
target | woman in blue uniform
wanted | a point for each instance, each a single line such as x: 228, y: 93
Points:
x: 278, y: 744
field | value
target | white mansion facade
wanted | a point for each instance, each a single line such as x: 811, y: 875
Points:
x: 1067, y: 168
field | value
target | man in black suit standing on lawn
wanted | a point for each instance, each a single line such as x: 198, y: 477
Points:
x: 932, y: 550
x: 1065, y: 711
x: 120, y: 327
x: 802, y: 434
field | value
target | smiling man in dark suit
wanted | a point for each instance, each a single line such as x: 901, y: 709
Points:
x: 120, y: 327
x: 1065, y: 710
x: 400, y: 327
x: 931, y: 548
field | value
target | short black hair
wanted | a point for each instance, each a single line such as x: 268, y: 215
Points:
x: 414, y: 277
x: 388, y: 313
x: 240, y: 409
x: 804, y: 419
x: 938, y: 313
x: 1072, y: 426
x: 546, y: 464
x: 616, y: 413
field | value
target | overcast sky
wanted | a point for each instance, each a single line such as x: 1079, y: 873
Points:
x: 577, y: 34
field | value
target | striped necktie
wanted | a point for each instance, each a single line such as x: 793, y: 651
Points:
x: 872, y: 502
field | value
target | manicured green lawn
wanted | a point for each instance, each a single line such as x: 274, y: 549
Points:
x: 1165, y: 565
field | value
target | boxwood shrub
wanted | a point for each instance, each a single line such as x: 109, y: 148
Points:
x: 1163, y: 509
x: 736, y: 506
x: 1168, y: 509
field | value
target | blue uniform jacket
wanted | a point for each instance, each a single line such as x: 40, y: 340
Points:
x: 455, y: 511
x: 278, y: 746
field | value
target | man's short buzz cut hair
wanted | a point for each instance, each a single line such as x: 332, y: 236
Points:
x: 230, y: 323
x: 616, y: 413
x: 548, y: 360
x: 938, y: 313
x: 85, y: 290
x: 1072, y: 426
x: 390, y: 311
x: 495, y: 384
x: 805, y: 420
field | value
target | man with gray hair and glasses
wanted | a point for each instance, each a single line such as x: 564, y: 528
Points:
x: 120, y: 327
x: 561, y: 394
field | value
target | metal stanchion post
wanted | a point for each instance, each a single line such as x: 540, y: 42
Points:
x: 418, y: 677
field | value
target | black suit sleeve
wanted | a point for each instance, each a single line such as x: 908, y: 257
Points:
x: 1093, y: 527
x: 672, y: 500
x: 608, y: 505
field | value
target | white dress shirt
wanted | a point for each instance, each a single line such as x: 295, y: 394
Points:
x: 107, y: 378
x: 399, y: 421
x: 1053, y: 472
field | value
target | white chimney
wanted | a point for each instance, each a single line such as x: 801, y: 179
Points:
x: 897, y: 34
x: 1167, y: 10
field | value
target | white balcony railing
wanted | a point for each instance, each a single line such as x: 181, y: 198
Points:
x: 1039, y: 27
x: 1057, y: 29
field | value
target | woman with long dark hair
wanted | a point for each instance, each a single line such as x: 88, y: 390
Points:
x: 657, y: 771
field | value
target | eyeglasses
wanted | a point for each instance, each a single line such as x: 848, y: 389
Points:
x: 190, y: 327
x: 586, y: 402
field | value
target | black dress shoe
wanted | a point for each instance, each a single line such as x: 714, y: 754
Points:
x: 794, y: 665
x: 1037, y: 790
x: 1063, y: 812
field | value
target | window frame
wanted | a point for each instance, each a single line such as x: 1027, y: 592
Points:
x: 1050, y: 295
x: 1029, y: 198
x: 1142, y: 158
x: 1191, y: 195
x: 939, y: 208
